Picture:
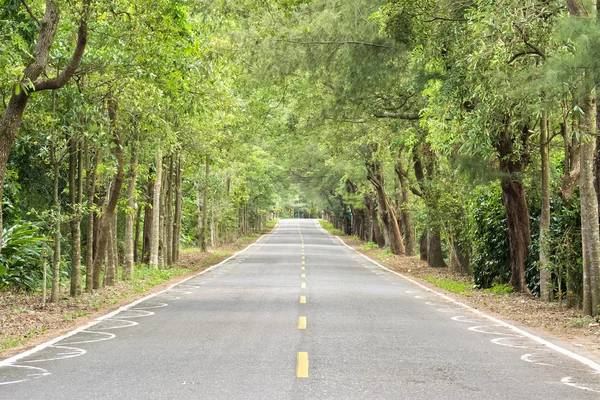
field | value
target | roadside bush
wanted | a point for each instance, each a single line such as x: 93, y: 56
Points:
x: 488, y: 235
x: 22, y: 257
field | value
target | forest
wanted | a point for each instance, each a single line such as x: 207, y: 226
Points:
x: 463, y: 132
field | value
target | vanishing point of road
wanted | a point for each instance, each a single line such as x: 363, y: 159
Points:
x: 298, y: 315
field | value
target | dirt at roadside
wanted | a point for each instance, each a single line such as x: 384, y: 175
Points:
x: 548, y: 319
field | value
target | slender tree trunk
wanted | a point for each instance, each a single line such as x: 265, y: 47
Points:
x: 54, y: 294
x: 75, y: 197
x: 169, y: 215
x: 147, y: 235
x: 130, y: 244
x: 409, y: 237
x: 423, y: 246
x: 162, y: 248
x: 545, y: 273
x: 154, y: 236
x: 110, y: 267
x: 93, y: 161
x: 136, y: 240
x: 204, y: 232
x: 177, y: 219
x: 111, y: 203
x: 590, y: 235
x: 435, y: 257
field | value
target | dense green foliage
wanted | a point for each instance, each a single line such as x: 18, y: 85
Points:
x: 422, y: 126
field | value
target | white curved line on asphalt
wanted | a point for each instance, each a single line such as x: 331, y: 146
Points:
x: 29, y: 377
x: 500, y: 339
x: 143, y: 313
x: 107, y: 337
x: 567, y: 380
x: 479, y: 329
x: 430, y: 303
x: 159, y: 305
x: 462, y: 318
x: 130, y: 324
x: 74, y: 352
x: 530, y: 358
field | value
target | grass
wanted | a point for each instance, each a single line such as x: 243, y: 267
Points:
x: 461, y: 288
x: 500, y: 288
x: 582, y: 321
x: 369, y: 246
x: 329, y: 228
x: 271, y: 224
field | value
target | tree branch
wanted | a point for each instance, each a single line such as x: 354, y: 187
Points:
x: 406, y: 116
x: 37, y: 21
x: 67, y: 72
x: 343, y: 43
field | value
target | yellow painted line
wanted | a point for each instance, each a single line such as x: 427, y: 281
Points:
x: 303, y: 276
x: 302, y: 368
x: 302, y: 323
x: 303, y: 285
x: 302, y: 299
x: 303, y: 257
x: 302, y: 262
x: 303, y: 268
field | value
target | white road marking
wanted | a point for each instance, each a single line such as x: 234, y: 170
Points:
x: 500, y: 342
x: 530, y: 358
x: 567, y: 380
x: 583, y: 360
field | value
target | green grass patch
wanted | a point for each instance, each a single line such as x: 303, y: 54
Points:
x: 462, y: 288
x: 329, y: 228
x: 8, y: 343
x: 369, y: 246
x: 146, y: 277
x: 582, y: 321
x: 271, y: 224
x: 500, y: 288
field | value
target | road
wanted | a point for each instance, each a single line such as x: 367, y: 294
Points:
x: 298, y: 315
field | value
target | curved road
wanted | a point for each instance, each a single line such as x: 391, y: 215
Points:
x: 298, y: 315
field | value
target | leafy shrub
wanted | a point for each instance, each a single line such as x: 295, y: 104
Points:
x: 488, y: 232
x: 22, y: 257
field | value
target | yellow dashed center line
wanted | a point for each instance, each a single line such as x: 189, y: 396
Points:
x: 302, y: 299
x: 303, y: 268
x: 302, y: 323
x: 303, y: 286
x: 302, y: 262
x: 303, y: 276
x: 302, y: 367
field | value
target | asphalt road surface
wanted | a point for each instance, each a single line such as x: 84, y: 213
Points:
x: 298, y: 315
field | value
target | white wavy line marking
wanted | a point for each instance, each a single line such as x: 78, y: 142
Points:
x: 107, y: 336
x: 567, y: 380
x: 40, y: 374
x: 499, y: 342
x: 72, y: 352
x: 530, y: 358
x: 478, y: 329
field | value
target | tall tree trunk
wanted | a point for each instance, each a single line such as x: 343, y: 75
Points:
x: 129, y: 256
x: 162, y: 248
x: 136, y: 239
x: 435, y: 256
x: 147, y: 235
x: 111, y: 203
x: 154, y: 236
x: 75, y: 198
x: 93, y: 161
x: 519, y: 235
x: 178, y: 207
x: 590, y: 235
x: 13, y: 113
x: 110, y: 266
x: 204, y: 229
x: 409, y: 237
x: 169, y: 214
x: 57, y: 217
x: 545, y: 273
x: 423, y: 246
